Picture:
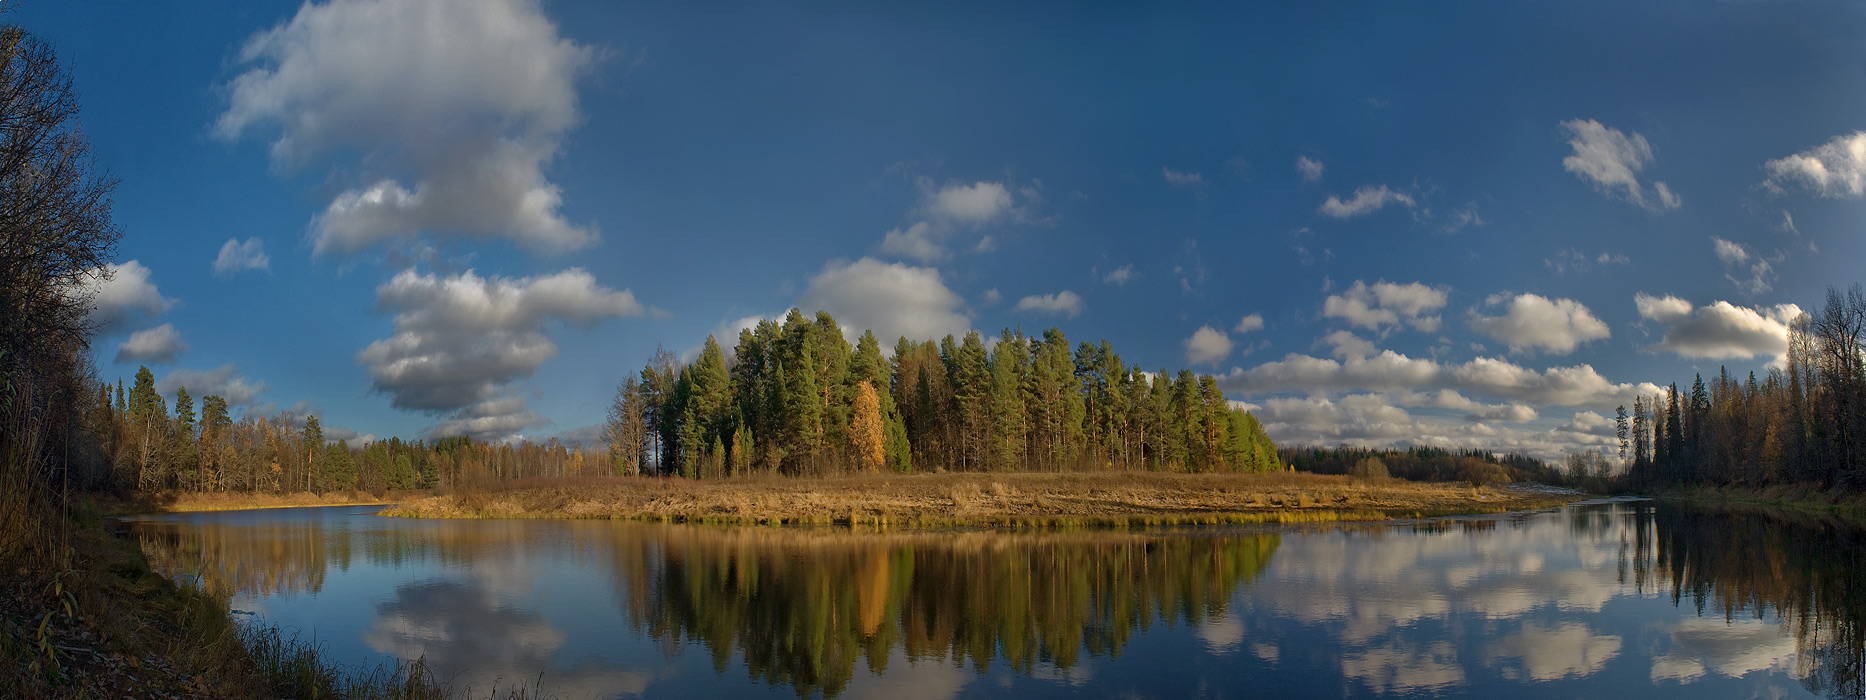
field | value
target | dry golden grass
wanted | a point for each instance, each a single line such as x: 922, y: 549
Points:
x: 1039, y: 500
x: 191, y: 502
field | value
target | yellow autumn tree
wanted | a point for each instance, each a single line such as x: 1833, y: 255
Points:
x: 866, y: 434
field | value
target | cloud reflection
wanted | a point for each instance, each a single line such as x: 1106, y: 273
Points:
x: 467, y: 636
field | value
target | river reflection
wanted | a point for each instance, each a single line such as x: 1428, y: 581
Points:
x: 1594, y: 600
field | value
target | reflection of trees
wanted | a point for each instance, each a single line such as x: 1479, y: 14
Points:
x: 1805, y: 568
x: 263, y: 559
x: 291, y: 555
x: 802, y: 606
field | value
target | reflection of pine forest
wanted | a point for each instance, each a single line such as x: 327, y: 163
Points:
x: 1806, y: 568
x: 802, y: 607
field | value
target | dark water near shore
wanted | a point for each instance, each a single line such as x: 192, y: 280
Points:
x: 1630, y: 598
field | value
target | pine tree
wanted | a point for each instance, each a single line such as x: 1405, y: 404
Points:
x: 1619, y: 430
x: 1009, y: 429
x: 867, y: 436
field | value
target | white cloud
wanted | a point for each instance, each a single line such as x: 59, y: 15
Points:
x: 236, y: 256
x: 1730, y: 253
x: 1064, y: 302
x: 1389, y: 371
x: 944, y: 209
x: 892, y: 299
x: 1386, y: 304
x: 1309, y: 168
x: 225, y: 382
x: 503, y: 419
x: 1347, y: 345
x: 1836, y: 169
x: 991, y: 297
x: 916, y: 241
x: 125, y: 295
x: 977, y: 203
x: 1573, y: 260
x: 160, y: 344
x: 1720, y: 330
x: 1253, y: 322
x: 1759, y: 275
x: 1367, y: 200
x: 451, y: 110
x: 459, y: 339
x: 1534, y: 322
x: 1207, y: 346
x: 1610, y: 160
x: 1120, y: 275
x: 1179, y: 179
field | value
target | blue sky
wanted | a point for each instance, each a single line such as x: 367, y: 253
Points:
x: 1468, y: 224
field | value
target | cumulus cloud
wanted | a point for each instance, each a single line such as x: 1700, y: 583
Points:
x: 503, y: 419
x: 459, y: 339
x: 1836, y: 169
x: 1066, y: 303
x: 943, y: 210
x: 451, y: 110
x: 892, y: 299
x: 236, y: 255
x: 1347, y: 345
x: 917, y: 242
x: 1207, y: 346
x: 1309, y: 168
x: 120, y: 294
x: 1385, y: 305
x: 1366, y: 200
x: 1720, y: 330
x: 1120, y: 275
x: 977, y: 203
x: 991, y: 297
x: 1253, y: 322
x: 1533, y: 322
x: 1610, y: 160
x: 160, y: 344
x: 1179, y: 179
x: 225, y: 382
x: 1389, y: 371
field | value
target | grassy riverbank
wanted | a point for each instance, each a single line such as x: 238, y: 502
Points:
x: 203, y: 502
x: 989, y: 500
x: 97, y: 621
x: 1786, y: 496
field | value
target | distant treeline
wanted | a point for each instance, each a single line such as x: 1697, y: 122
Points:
x: 797, y: 398
x: 1421, y: 464
x: 147, y: 447
x: 1803, y: 422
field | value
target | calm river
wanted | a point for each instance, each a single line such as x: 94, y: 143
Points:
x: 1614, y: 599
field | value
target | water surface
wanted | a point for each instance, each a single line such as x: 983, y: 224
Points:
x: 1601, y: 600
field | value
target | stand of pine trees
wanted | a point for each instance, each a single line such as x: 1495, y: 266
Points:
x: 796, y: 399
x: 148, y: 448
x: 1804, y: 422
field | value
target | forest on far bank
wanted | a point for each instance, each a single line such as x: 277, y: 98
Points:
x: 793, y: 399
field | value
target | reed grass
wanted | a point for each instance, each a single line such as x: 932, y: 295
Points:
x: 998, y: 500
